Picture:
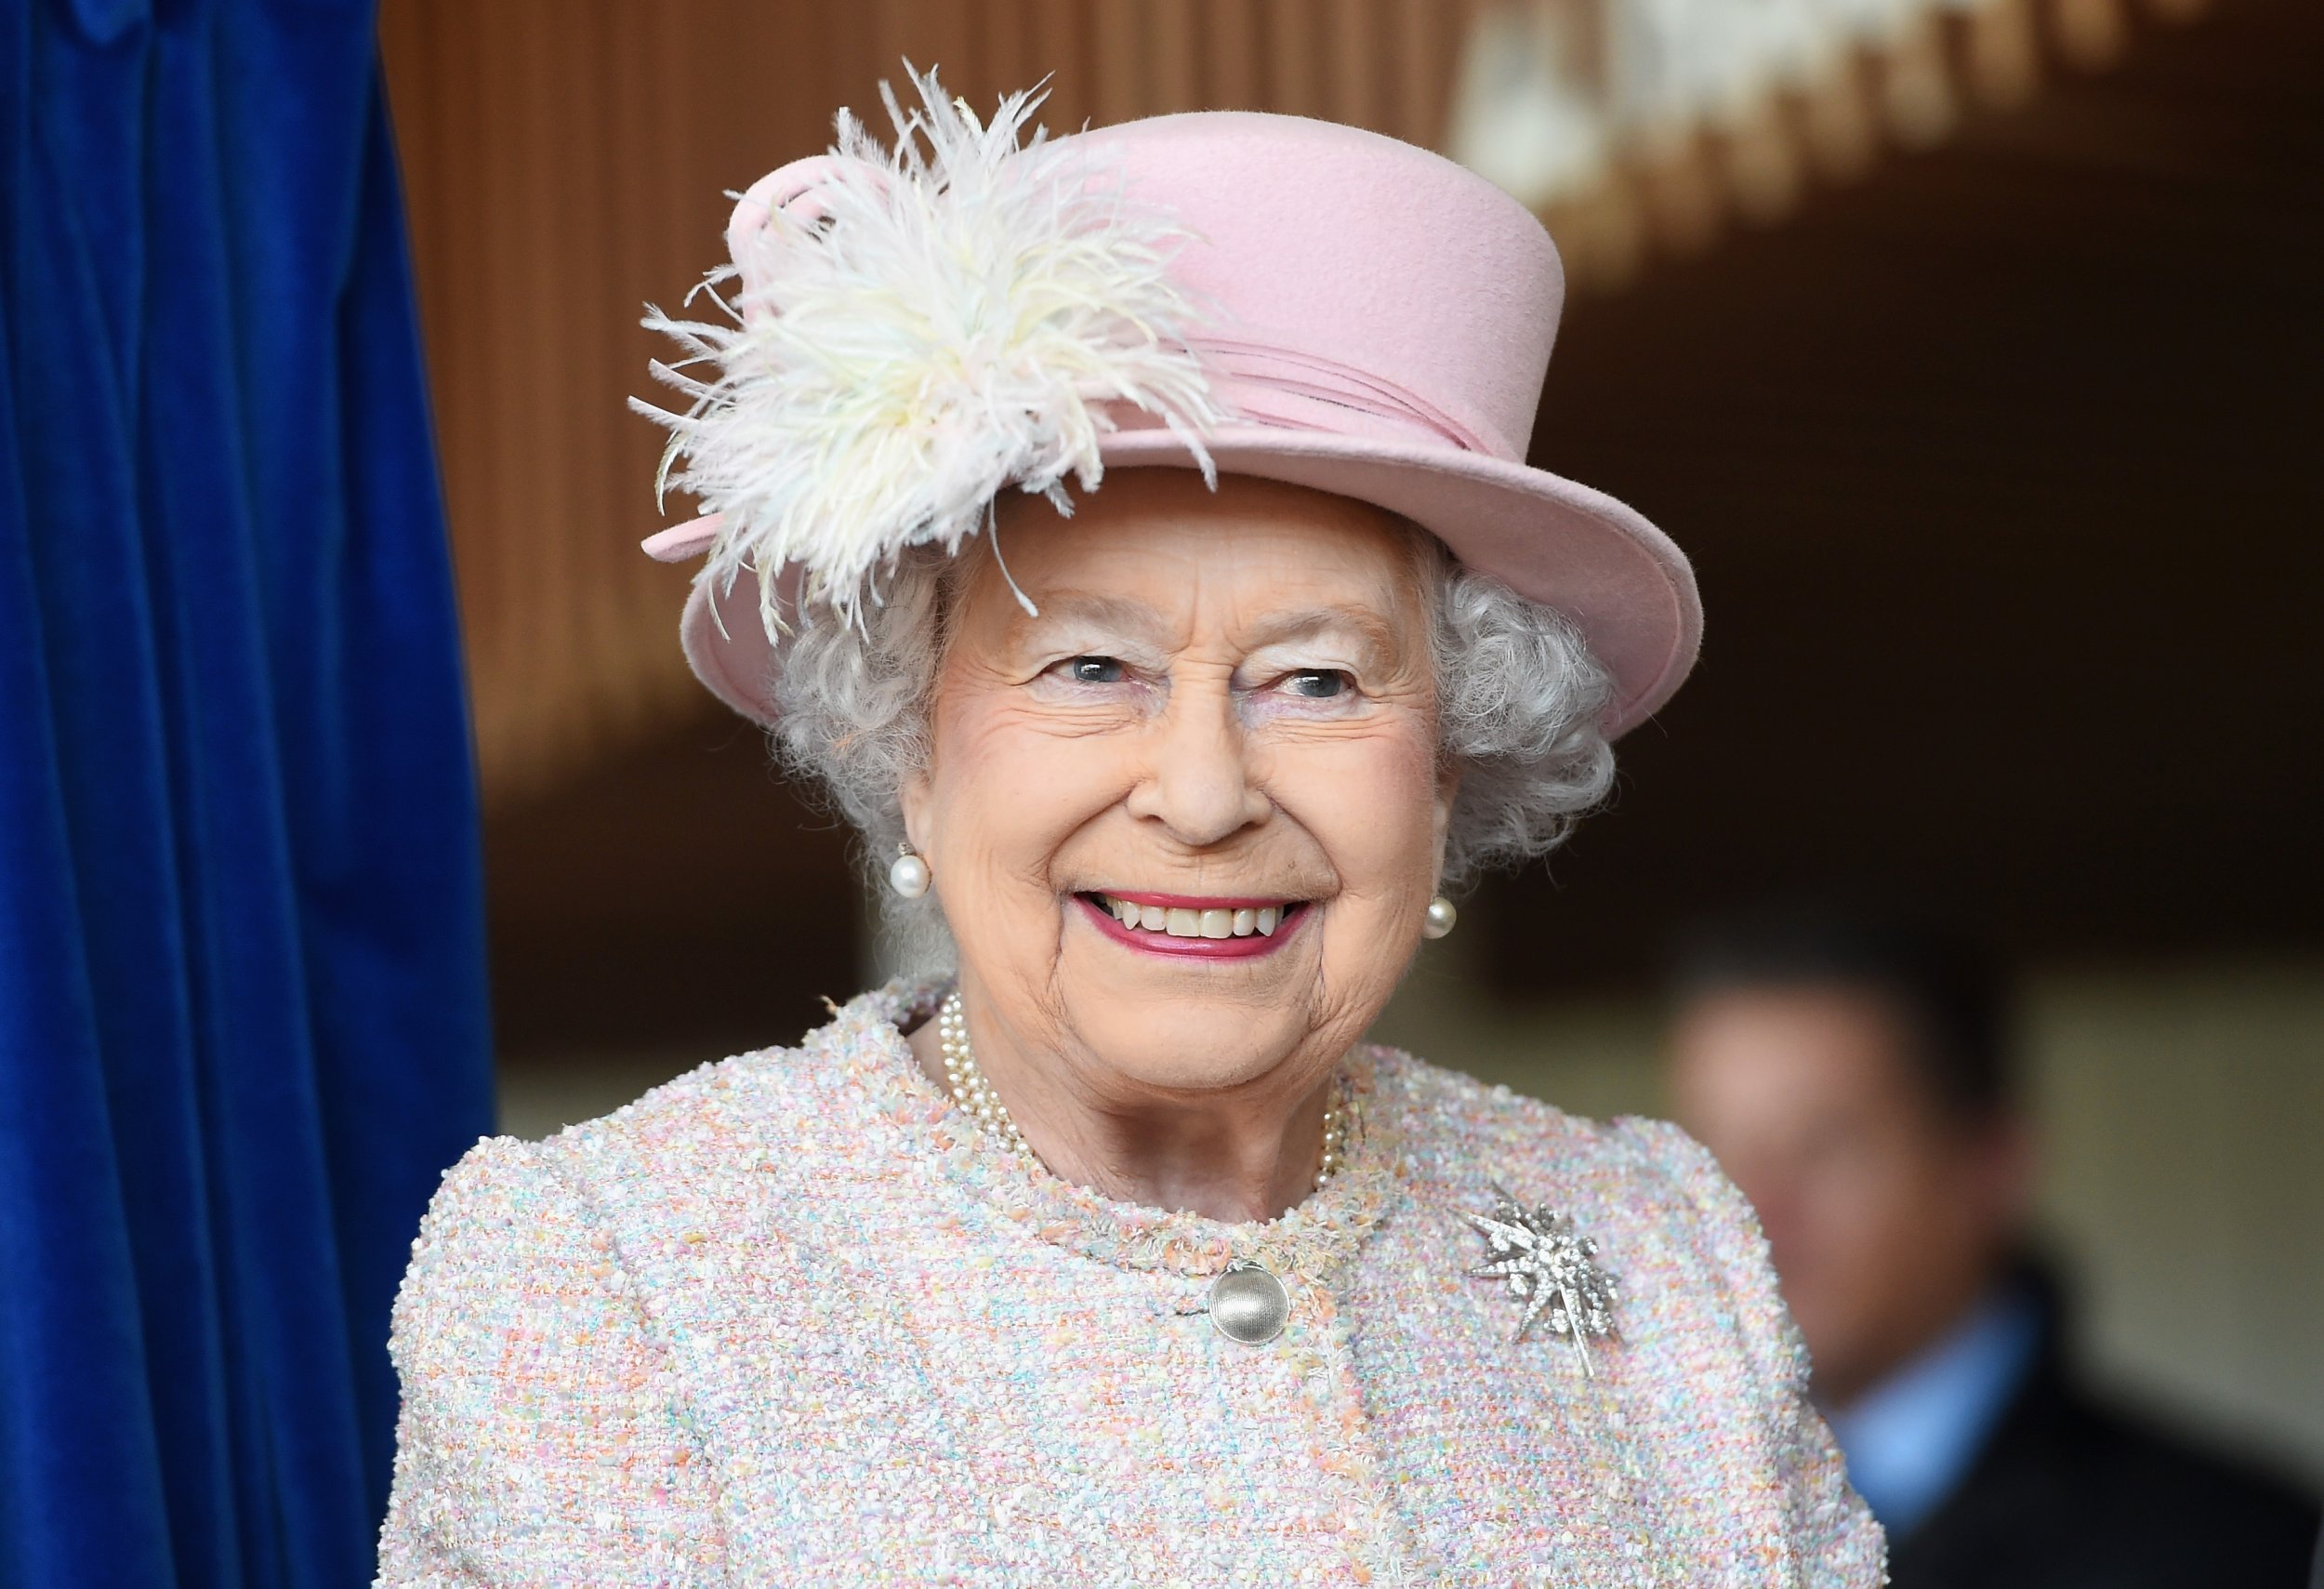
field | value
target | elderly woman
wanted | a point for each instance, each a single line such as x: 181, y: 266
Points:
x: 1109, y: 1252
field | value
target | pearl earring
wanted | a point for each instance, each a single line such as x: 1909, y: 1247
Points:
x: 907, y: 874
x: 1440, y: 919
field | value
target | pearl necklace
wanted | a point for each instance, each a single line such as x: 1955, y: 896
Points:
x: 975, y: 1095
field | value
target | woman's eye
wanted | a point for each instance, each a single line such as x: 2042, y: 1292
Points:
x: 1316, y: 684
x: 1092, y: 669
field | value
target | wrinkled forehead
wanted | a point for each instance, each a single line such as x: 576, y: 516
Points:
x: 1155, y: 549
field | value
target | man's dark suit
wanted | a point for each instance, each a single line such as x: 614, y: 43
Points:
x: 2071, y: 1494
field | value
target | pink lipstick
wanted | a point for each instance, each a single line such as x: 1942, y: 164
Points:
x: 1194, y: 926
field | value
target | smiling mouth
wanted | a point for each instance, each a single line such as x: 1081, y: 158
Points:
x: 1178, y: 924
x: 1197, y: 918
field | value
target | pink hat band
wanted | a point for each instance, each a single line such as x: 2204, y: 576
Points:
x: 1309, y: 392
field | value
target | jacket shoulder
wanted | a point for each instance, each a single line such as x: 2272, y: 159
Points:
x: 1708, y: 1352
x: 2072, y: 1488
x: 535, y: 1403
x: 1463, y: 1122
x: 718, y: 1114
x: 815, y: 1093
x: 1638, y: 1185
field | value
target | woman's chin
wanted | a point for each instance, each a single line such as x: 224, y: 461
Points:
x: 1182, y: 1050
x: 1154, y: 1030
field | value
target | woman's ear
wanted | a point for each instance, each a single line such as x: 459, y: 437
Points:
x: 1447, y: 792
x: 916, y: 800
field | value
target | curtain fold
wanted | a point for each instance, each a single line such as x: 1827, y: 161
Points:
x: 241, y: 1014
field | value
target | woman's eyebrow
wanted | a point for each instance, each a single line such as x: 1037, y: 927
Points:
x: 1113, y: 615
x: 1378, y: 637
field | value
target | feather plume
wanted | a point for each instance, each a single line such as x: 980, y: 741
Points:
x: 922, y: 330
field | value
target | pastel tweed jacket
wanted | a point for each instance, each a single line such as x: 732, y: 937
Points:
x: 791, y: 1319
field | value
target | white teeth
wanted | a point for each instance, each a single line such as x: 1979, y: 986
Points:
x: 1184, y: 922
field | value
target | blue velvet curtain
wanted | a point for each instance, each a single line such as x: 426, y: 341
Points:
x: 242, y: 1013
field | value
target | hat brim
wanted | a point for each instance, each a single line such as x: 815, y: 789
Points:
x: 1620, y: 580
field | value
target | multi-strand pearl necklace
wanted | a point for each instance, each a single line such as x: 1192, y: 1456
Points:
x: 976, y: 1094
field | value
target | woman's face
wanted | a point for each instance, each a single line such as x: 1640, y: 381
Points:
x: 1221, y: 727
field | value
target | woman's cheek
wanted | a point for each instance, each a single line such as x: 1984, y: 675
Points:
x: 1371, y: 802
x: 1021, y: 787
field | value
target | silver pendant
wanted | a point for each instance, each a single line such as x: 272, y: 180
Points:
x: 1550, y: 1267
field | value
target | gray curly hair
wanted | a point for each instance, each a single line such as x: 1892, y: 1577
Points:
x: 1519, y: 700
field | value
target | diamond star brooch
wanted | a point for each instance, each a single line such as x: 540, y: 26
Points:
x: 1550, y: 1267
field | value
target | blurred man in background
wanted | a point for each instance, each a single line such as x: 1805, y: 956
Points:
x: 1853, y: 1077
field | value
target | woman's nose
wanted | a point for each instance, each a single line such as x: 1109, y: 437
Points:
x: 1197, y: 779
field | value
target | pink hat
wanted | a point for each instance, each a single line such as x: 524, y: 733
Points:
x: 1371, y: 320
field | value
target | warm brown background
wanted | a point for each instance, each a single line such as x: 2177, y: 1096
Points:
x: 2001, y: 473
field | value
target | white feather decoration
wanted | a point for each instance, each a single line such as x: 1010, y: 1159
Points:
x: 922, y: 331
